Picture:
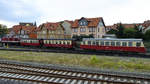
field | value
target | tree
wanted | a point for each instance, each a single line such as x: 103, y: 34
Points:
x: 112, y: 31
x: 120, y: 33
x: 3, y: 30
x: 79, y: 38
x: 139, y: 33
x: 130, y: 33
x: 147, y: 35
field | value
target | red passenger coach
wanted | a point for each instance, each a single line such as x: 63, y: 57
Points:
x: 63, y: 43
x: 29, y: 42
x: 10, y: 40
x: 112, y: 44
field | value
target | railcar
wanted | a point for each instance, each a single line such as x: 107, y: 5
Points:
x: 30, y: 42
x: 10, y: 41
x: 59, y: 43
x: 112, y: 44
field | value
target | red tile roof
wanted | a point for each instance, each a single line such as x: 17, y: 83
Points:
x: 29, y: 29
x: 93, y: 22
x: 124, y: 25
x: 49, y: 26
x: 146, y: 24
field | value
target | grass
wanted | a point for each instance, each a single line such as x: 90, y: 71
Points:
x: 94, y: 61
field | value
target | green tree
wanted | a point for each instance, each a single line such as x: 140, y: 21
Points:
x: 112, y: 31
x: 130, y: 33
x: 79, y: 38
x: 3, y: 30
x: 139, y: 33
x: 120, y: 33
x: 147, y: 35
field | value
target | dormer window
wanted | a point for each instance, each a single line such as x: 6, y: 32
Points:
x: 80, y: 23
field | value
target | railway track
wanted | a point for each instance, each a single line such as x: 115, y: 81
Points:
x: 105, y: 53
x: 28, y: 73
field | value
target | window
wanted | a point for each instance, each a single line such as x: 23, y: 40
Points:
x: 112, y: 43
x: 56, y: 42
x: 84, y: 23
x: 130, y: 44
x: 106, y: 43
x: 80, y: 23
x: 64, y: 42
x: 75, y: 30
x: 98, y: 29
x: 117, y: 43
x: 124, y: 43
x: 83, y: 42
x: 82, y: 29
x: 94, y: 43
x: 89, y: 42
x: 30, y: 41
x: 68, y: 43
x: 102, y: 43
x: 91, y: 29
x: 44, y: 32
x: 138, y: 44
x: 97, y: 43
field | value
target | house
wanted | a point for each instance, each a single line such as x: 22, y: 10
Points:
x: 67, y: 28
x: 108, y: 28
x: 10, y: 33
x: 51, y: 30
x: 89, y: 26
x: 23, y: 30
x: 145, y: 26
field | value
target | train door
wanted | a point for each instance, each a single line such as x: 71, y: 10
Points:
x: 41, y: 42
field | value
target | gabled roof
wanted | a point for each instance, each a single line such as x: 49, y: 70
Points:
x: 29, y: 29
x: 49, y: 26
x: 124, y: 25
x: 146, y: 24
x: 92, y: 22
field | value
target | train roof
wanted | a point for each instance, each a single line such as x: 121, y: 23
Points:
x: 57, y: 39
x: 111, y: 39
x: 44, y: 39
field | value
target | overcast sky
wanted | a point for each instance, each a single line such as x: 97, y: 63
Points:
x: 113, y: 11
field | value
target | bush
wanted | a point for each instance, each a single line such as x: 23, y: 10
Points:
x: 94, y: 60
x: 147, y: 35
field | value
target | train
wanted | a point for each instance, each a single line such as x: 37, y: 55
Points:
x: 93, y: 44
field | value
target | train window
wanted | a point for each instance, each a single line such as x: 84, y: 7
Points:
x: 64, y: 42
x: 124, y: 43
x: 94, y: 43
x: 68, y: 43
x: 138, y: 44
x: 56, y: 42
x: 112, y: 43
x: 49, y: 41
x: 61, y: 42
x: 117, y: 43
x: 130, y: 44
x: 30, y: 41
x: 102, y: 43
x: 83, y: 42
x: 97, y: 43
x: 52, y: 42
x: 46, y: 41
x: 89, y: 42
x: 106, y: 43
